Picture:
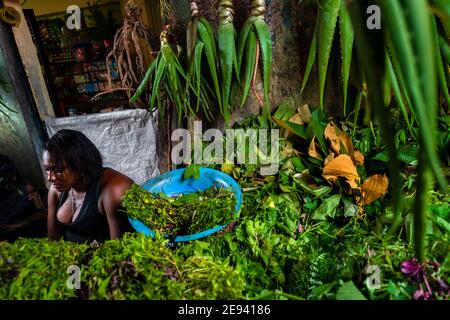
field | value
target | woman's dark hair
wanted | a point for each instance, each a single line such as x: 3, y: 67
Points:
x: 73, y: 149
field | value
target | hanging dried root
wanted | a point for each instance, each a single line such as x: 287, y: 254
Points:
x: 255, y: 39
x: 127, y: 50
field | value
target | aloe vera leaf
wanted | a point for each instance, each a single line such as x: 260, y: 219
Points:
x: 440, y: 65
x: 242, y: 40
x: 423, y: 183
x: 160, y: 70
x: 445, y: 49
x: 144, y: 81
x: 400, y: 41
x: 371, y: 54
x: 443, y: 12
x: 400, y: 79
x: 347, y: 38
x: 209, y: 29
x: 311, y: 56
x: 191, y: 38
x: 265, y: 44
x: 420, y: 24
x: 197, y: 67
x: 328, y: 18
x: 398, y: 94
x: 250, y: 65
x: 226, y: 47
x: 209, y: 45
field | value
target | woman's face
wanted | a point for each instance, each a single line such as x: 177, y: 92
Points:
x: 62, y: 178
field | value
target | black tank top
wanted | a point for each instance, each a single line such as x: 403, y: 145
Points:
x: 90, y: 224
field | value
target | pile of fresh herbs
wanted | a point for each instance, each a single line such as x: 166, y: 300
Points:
x: 187, y: 214
x: 306, y: 232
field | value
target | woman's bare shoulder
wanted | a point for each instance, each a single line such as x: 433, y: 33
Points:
x: 115, y: 181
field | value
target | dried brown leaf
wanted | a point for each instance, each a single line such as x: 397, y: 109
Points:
x: 329, y: 158
x: 305, y: 113
x: 374, y: 188
x: 312, y: 150
x: 331, y: 134
x: 358, y: 157
x: 342, y: 166
x: 296, y: 118
x: 346, y: 144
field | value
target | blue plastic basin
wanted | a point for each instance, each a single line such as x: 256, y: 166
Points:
x: 172, y: 184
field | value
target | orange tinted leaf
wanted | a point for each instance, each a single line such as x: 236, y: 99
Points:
x: 346, y: 144
x: 358, y: 157
x: 332, y: 134
x: 296, y: 118
x: 374, y: 188
x: 342, y: 166
x: 312, y: 150
x: 329, y: 158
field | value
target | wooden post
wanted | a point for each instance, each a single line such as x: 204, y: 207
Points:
x: 32, y: 66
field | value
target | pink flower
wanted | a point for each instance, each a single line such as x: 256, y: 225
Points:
x: 420, y: 294
x: 412, y: 268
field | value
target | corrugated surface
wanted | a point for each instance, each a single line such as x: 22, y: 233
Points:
x: 126, y: 139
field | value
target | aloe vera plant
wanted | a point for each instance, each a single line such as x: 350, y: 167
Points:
x: 201, y: 43
x: 418, y: 75
x: 226, y: 35
x: 253, y: 39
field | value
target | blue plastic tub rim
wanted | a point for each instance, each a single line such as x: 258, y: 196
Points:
x: 173, y: 184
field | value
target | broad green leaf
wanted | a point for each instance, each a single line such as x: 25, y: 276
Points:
x: 284, y: 111
x: 348, y: 291
x: 350, y: 208
x: 327, y: 208
x: 292, y: 127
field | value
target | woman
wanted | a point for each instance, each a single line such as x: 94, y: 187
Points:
x: 84, y: 197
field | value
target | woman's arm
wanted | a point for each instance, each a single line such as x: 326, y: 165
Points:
x: 115, y: 187
x: 54, y: 231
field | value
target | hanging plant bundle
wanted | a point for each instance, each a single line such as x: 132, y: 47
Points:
x: 253, y: 39
x: 127, y: 50
x: 201, y: 43
x: 187, y: 214
x: 168, y: 80
x: 226, y: 35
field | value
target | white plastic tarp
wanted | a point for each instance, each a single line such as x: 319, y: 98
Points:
x: 126, y: 139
